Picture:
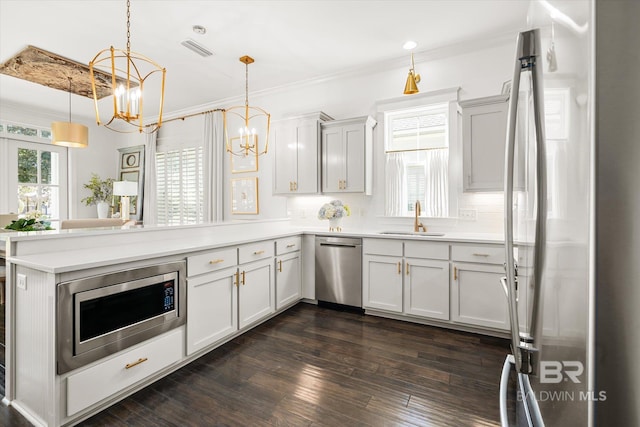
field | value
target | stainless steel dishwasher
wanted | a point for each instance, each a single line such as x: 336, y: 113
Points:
x: 339, y: 271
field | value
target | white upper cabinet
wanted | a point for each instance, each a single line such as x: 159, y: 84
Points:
x: 484, y: 131
x: 347, y: 155
x: 297, y: 151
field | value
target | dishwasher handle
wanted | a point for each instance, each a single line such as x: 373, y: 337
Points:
x: 340, y: 245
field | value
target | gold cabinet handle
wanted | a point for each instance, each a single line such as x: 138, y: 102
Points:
x: 407, y: 269
x: 137, y: 362
x: 295, y: 185
x: 280, y: 266
x: 237, y: 281
x: 482, y: 255
x: 258, y: 252
x: 455, y: 273
x: 290, y: 245
x: 290, y: 186
x: 216, y: 261
x: 243, y: 277
x: 399, y: 267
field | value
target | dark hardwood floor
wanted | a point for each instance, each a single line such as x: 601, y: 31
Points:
x: 314, y: 366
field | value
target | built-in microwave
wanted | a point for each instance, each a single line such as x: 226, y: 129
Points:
x: 101, y: 315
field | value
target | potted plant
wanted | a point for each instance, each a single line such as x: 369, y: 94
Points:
x: 101, y: 193
x: 334, y: 211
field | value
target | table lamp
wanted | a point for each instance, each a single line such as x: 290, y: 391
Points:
x: 124, y: 189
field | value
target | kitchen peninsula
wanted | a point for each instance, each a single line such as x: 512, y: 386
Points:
x: 236, y: 276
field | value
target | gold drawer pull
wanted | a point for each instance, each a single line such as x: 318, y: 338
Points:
x: 280, y: 266
x: 243, y: 277
x: 484, y: 255
x: 139, y: 361
x: 216, y: 261
x: 237, y: 280
x: 455, y: 273
x: 258, y: 252
x: 399, y: 267
x: 290, y: 245
x: 407, y: 269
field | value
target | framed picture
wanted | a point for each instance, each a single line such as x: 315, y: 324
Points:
x: 244, y: 196
x: 247, y: 163
x: 131, y: 168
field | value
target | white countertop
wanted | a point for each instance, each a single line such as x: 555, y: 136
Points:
x: 71, y: 250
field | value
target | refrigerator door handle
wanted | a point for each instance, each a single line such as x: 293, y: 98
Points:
x: 504, y: 386
x: 524, y: 345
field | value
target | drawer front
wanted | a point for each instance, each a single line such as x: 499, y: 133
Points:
x: 212, y: 261
x: 288, y: 244
x: 110, y: 377
x: 255, y: 251
x: 486, y: 254
x: 429, y: 250
x: 389, y: 247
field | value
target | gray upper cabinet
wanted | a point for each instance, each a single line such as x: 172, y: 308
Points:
x: 347, y: 155
x: 484, y: 127
x: 297, y: 154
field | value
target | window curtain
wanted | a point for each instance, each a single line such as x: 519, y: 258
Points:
x: 149, y: 206
x: 395, y: 180
x: 214, y: 154
x: 437, y: 196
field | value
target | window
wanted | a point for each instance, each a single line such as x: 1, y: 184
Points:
x: 180, y: 185
x: 417, y: 160
x: 36, y: 177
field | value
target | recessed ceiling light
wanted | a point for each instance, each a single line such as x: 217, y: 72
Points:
x: 409, y: 45
x: 199, y: 29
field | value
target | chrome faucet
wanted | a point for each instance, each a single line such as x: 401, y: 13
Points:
x: 418, y: 225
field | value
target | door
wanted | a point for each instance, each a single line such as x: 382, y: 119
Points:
x: 288, y: 279
x: 333, y: 173
x: 426, y: 288
x: 478, y: 297
x: 256, y: 295
x: 285, y: 160
x: 307, y: 160
x: 382, y: 280
x: 354, y: 162
x: 212, y: 307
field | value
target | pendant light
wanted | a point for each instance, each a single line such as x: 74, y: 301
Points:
x: 246, y: 128
x: 411, y: 86
x: 131, y: 75
x: 70, y: 134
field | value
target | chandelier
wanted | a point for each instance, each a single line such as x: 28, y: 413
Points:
x: 246, y: 128
x: 131, y: 76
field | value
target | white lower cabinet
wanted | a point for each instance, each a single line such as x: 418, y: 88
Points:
x: 406, y: 284
x: 382, y: 280
x: 212, y: 302
x: 256, y: 293
x: 288, y: 279
x: 478, y: 298
x: 117, y: 373
x: 426, y: 288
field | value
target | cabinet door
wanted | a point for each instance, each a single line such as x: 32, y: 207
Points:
x: 478, y: 298
x: 382, y: 283
x: 212, y: 307
x: 288, y: 279
x: 333, y: 173
x: 353, y: 141
x: 285, y: 160
x: 427, y: 288
x: 307, y: 151
x: 256, y: 297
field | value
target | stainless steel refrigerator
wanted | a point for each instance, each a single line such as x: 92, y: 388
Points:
x: 572, y: 216
x: 549, y: 196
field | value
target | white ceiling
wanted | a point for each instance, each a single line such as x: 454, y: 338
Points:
x: 290, y: 40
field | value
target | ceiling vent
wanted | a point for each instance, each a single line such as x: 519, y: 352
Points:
x: 196, y: 47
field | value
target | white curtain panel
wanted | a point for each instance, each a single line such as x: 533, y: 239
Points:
x: 437, y: 196
x: 213, y: 163
x: 395, y: 191
x: 149, y: 207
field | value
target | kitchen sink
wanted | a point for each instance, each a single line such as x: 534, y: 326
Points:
x: 415, y: 233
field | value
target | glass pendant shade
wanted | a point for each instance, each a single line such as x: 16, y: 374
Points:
x: 134, y: 77
x: 246, y: 128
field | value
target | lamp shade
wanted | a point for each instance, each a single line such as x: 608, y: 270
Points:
x: 70, y: 134
x: 125, y: 188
